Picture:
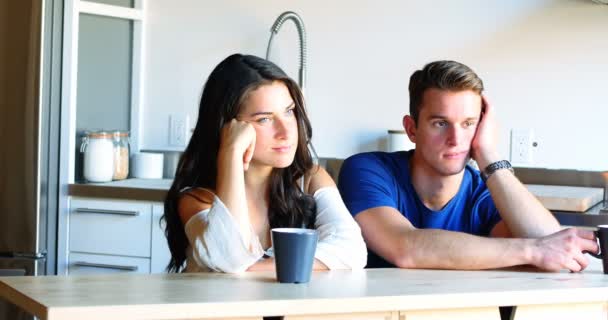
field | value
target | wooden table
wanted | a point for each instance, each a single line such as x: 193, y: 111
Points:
x: 368, y: 294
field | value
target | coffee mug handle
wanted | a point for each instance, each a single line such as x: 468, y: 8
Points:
x: 596, y: 255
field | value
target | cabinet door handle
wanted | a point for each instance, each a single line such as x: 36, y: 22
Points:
x: 106, y: 211
x: 105, y: 266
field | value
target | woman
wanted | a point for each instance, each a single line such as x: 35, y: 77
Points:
x: 248, y: 169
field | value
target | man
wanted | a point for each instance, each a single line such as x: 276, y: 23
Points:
x: 426, y: 208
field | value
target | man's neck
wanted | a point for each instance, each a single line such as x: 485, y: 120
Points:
x: 433, y: 189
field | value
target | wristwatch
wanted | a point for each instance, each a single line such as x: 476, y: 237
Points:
x: 493, y: 167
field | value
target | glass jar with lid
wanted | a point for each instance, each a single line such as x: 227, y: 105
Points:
x: 98, y: 149
x: 121, y: 155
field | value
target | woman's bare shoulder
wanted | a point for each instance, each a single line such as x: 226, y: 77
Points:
x: 318, y: 178
x: 194, y: 201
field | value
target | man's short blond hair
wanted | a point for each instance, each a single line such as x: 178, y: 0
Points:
x: 443, y: 75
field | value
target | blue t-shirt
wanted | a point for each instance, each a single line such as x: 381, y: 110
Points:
x: 377, y: 179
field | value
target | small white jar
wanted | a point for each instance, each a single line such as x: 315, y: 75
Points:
x: 98, y: 149
x: 147, y: 165
x: 398, y: 141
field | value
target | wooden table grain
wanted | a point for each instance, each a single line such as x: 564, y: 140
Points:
x: 365, y: 294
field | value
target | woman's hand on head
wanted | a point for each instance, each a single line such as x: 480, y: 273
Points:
x: 238, y: 138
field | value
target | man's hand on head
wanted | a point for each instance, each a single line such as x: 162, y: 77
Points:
x: 483, y: 146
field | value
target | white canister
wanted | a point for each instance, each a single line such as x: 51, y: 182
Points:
x: 98, y: 149
x: 398, y: 141
x: 147, y: 165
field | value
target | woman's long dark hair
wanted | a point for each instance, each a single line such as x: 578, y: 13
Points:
x: 226, y: 89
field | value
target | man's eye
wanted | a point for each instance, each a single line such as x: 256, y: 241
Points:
x: 440, y: 124
x: 469, y: 123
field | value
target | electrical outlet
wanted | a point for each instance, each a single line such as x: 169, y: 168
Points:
x: 178, y: 129
x: 521, y: 146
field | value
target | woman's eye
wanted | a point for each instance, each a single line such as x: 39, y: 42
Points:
x: 263, y: 120
x: 290, y: 112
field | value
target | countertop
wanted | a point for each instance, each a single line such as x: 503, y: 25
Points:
x: 590, y: 218
x: 156, y: 190
x: 217, y: 295
x: 129, y: 189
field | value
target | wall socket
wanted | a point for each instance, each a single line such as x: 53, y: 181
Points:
x: 522, y: 144
x: 178, y: 129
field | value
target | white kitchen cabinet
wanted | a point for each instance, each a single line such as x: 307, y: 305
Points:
x: 160, y: 247
x: 110, y: 227
x: 110, y: 235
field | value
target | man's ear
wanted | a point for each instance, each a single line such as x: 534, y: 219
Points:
x: 409, y: 124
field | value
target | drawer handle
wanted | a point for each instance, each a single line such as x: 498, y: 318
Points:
x: 105, y: 211
x: 105, y: 266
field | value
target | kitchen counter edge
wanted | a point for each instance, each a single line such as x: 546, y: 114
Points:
x: 130, y: 189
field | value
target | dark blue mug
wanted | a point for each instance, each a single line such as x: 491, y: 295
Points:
x: 294, y: 253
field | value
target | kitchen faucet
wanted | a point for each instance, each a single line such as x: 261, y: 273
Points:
x: 290, y: 15
x: 297, y: 20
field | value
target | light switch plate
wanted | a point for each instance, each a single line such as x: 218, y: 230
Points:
x: 178, y: 129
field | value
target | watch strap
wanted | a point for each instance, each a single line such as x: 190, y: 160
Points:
x: 495, y: 166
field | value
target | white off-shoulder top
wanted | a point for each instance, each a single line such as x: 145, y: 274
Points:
x: 217, y: 245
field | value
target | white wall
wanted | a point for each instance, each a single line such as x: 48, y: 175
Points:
x: 544, y: 64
